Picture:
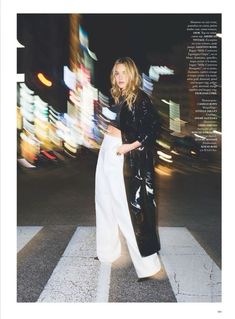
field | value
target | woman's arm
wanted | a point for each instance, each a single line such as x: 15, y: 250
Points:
x: 125, y: 148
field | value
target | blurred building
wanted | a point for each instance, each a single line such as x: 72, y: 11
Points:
x: 45, y: 38
x: 56, y: 98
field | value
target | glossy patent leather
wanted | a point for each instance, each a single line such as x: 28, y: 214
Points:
x: 140, y: 123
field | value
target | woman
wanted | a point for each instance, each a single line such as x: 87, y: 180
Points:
x: 124, y: 192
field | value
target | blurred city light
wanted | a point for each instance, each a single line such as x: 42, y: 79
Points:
x: 165, y: 101
x: 156, y: 71
x: 47, y: 132
x: 44, y: 80
x: 200, y: 136
x: 217, y: 132
x: 163, y: 144
x: 44, y: 129
x: 69, y: 78
x: 163, y: 170
x: 165, y: 159
x: 174, y: 152
x: 147, y: 84
x: 162, y: 154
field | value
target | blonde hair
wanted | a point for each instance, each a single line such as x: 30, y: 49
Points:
x: 131, y: 90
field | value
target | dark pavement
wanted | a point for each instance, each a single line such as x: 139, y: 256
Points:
x: 60, y: 196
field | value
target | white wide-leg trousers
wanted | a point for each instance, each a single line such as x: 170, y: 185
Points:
x: 112, y: 212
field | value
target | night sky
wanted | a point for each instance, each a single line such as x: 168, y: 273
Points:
x: 150, y: 39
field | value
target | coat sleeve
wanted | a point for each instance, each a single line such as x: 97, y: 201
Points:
x: 147, y: 123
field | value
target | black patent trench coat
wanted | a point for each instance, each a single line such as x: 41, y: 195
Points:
x: 140, y: 123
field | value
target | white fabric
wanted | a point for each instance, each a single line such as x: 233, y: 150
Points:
x: 112, y: 212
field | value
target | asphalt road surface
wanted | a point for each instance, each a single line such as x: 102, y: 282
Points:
x: 56, y: 237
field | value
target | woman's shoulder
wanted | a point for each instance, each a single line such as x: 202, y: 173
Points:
x: 143, y: 97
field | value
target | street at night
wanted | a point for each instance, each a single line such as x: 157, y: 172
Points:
x: 117, y: 125
x: 56, y: 214
x: 63, y: 112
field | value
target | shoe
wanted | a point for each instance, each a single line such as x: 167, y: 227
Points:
x: 159, y: 276
x: 96, y: 258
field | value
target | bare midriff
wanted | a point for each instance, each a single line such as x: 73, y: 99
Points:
x: 111, y: 130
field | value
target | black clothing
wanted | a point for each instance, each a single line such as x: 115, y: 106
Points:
x: 140, y: 123
x: 116, y: 108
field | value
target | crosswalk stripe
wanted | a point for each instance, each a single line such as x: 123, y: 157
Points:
x: 124, y: 285
x: 37, y: 260
x: 193, y: 275
x: 74, y: 279
x: 80, y: 250
x: 103, y: 283
x: 77, y: 277
x: 25, y: 234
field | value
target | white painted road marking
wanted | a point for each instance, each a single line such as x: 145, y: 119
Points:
x: 25, y: 234
x: 74, y: 279
x: 103, y: 283
x: 193, y: 275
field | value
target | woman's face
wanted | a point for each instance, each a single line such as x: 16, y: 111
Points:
x: 121, y: 76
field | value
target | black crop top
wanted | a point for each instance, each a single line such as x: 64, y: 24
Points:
x: 116, y: 108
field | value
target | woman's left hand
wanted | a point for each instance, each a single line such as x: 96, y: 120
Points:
x: 124, y: 148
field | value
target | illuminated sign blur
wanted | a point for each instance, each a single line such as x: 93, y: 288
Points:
x: 147, y: 84
x: 69, y: 78
x: 44, y: 80
x: 174, y: 116
x: 24, y: 87
x: 156, y: 71
x: 83, y: 37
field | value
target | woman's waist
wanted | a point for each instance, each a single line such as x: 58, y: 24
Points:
x: 113, y: 131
